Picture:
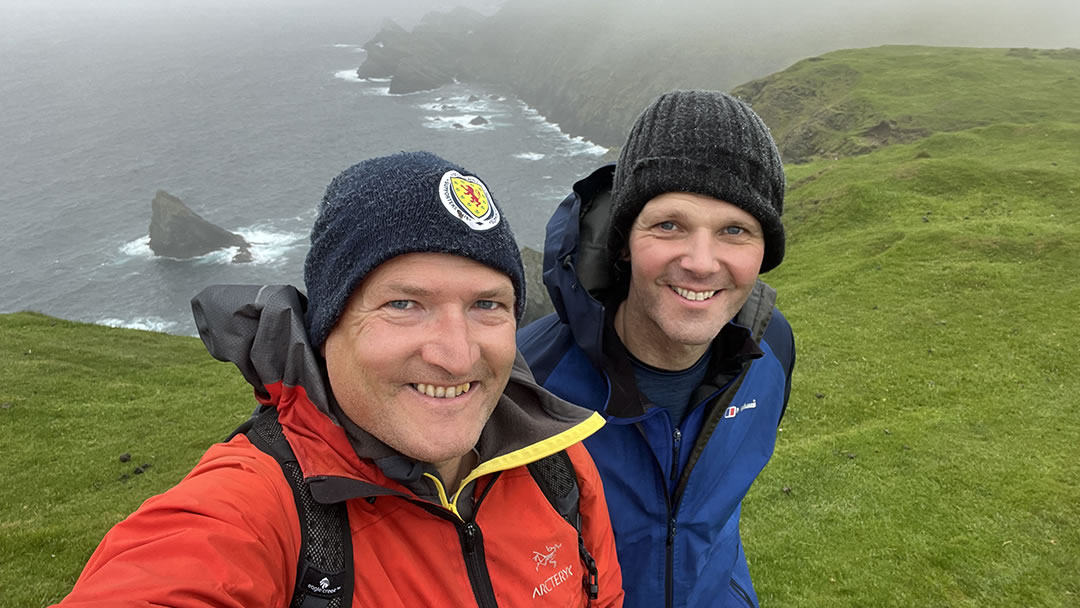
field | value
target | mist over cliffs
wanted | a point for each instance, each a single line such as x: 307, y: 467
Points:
x: 592, y: 67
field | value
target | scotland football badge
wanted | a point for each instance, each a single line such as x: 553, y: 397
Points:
x: 467, y: 199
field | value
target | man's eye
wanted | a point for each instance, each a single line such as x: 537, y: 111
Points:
x: 487, y: 304
x: 666, y: 226
x: 734, y: 230
x: 400, y: 304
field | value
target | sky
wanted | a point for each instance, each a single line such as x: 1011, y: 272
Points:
x: 24, y: 20
x: 1041, y: 23
x: 1001, y: 23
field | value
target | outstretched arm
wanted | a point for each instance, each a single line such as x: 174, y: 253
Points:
x: 225, y: 536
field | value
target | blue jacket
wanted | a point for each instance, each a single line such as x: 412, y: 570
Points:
x: 674, y: 493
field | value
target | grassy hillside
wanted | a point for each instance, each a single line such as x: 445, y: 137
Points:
x: 929, y: 455
x: 74, y: 398
x: 930, y: 452
x: 856, y: 101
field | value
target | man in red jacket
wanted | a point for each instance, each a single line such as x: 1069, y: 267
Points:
x: 401, y: 394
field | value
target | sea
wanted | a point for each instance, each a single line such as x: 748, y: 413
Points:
x: 246, y: 123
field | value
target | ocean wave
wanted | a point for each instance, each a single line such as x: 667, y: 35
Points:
x: 144, y: 323
x: 139, y: 248
x: 530, y: 156
x: 379, y: 91
x: 570, y: 145
x: 534, y: 115
x: 266, y: 247
x: 348, y: 75
x: 460, y: 123
x: 461, y: 103
x: 576, y: 146
x: 375, y: 85
x: 347, y: 46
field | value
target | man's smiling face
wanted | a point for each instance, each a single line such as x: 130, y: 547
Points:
x: 423, y: 351
x: 693, y: 262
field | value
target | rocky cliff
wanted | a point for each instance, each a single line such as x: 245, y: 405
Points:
x: 590, y: 67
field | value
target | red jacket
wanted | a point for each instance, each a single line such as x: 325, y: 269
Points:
x: 228, y: 534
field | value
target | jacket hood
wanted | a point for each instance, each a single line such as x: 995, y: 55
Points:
x: 576, y: 264
x: 261, y: 330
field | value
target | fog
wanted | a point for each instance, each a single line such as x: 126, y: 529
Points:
x: 25, y: 20
x: 828, y: 23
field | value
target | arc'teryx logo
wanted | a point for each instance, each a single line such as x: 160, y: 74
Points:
x: 546, y: 559
x: 549, y: 584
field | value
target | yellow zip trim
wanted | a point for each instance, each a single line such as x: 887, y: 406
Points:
x: 442, y: 494
x: 534, y: 452
x: 517, y: 458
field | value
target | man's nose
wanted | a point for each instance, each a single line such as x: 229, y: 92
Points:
x: 451, y: 345
x: 701, y: 256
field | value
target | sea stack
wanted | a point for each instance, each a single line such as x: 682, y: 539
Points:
x: 179, y: 232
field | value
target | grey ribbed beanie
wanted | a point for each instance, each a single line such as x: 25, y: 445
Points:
x: 703, y: 142
x: 384, y: 207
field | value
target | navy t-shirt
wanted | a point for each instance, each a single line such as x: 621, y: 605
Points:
x: 670, y: 390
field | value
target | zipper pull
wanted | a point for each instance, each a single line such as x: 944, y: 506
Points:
x: 470, y: 537
x: 676, y: 439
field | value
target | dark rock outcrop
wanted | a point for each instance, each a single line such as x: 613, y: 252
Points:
x: 424, y: 59
x: 383, y: 52
x: 414, y: 75
x: 179, y: 232
x: 538, y: 303
x: 479, y: 120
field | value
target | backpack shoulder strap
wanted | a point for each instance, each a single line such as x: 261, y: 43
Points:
x: 324, y: 571
x: 556, y: 478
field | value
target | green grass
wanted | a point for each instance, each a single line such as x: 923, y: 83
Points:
x: 74, y: 398
x: 930, y: 448
x: 931, y: 442
x: 824, y: 106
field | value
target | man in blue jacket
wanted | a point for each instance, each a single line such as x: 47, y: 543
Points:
x: 663, y: 326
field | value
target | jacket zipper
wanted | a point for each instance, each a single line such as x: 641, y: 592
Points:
x: 669, y: 560
x: 669, y: 585
x: 472, y: 547
x: 472, y: 543
x: 676, y: 439
x: 669, y: 582
x: 742, y: 593
x: 672, y: 524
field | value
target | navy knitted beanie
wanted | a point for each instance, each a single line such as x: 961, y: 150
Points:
x: 384, y: 207
x: 702, y: 142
